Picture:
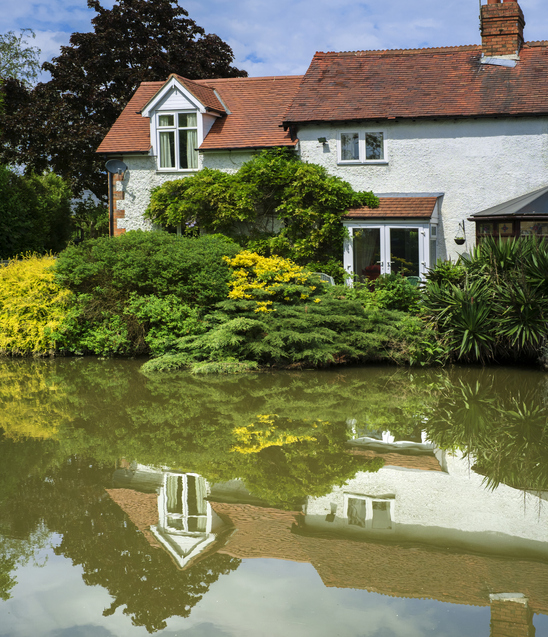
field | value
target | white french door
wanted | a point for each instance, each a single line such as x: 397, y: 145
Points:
x: 372, y: 250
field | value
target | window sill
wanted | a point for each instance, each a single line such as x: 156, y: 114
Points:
x: 371, y: 162
x: 183, y: 171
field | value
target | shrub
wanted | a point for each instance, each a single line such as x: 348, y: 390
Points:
x: 499, y: 308
x: 275, y: 205
x: 140, y: 291
x: 32, y: 306
x: 278, y: 313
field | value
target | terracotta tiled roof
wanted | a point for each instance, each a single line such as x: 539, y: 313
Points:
x: 204, y: 94
x: 131, y: 131
x: 405, y: 207
x: 443, y: 82
x: 256, y: 106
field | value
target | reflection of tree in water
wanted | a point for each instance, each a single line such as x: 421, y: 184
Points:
x: 501, y: 427
x: 97, y: 535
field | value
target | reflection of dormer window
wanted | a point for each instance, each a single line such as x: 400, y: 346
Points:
x: 186, y: 503
x: 178, y: 141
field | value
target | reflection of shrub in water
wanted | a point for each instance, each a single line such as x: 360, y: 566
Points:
x: 501, y: 427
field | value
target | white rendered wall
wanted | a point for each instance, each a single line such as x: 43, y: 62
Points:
x: 432, y: 504
x: 141, y: 177
x: 476, y: 163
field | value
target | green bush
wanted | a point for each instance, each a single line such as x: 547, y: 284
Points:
x: 279, y: 314
x: 274, y: 205
x: 388, y: 292
x: 139, y: 292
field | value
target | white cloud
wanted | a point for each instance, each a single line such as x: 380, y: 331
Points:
x: 278, y: 37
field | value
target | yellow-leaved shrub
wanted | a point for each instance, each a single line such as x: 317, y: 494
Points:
x: 268, y: 279
x: 32, y: 306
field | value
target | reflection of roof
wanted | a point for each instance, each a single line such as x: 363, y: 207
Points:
x: 260, y: 532
x: 425, y: 462
x: 409, y: 207
x: 395, y: 569
x: 141, y: 508
x: 419, y: 571
x: 533, y: 203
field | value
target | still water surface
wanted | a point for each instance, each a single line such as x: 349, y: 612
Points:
x: 371, y: 502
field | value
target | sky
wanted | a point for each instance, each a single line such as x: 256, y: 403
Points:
x: 279, y: 37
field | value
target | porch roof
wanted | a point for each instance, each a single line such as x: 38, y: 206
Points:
x: 533, y: 204
x: 397, y: 207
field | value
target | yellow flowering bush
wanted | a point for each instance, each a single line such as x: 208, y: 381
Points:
x: 255, y: 277
x: 32, y: 305
x: 265, y: 433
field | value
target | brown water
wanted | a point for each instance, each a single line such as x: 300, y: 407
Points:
x: 371, y: 502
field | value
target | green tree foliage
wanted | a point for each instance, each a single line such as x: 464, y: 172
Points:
x: 18, y: 60
x: 494, y: 304
x: 275, y: 203
x: 140, y: 290
x: 89, y: 219
x: 60, y: 123
x: 35, y: 214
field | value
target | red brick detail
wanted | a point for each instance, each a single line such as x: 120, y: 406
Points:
x: 511, y: 619
x: 502, y: 28
x: 410, y: 207
x: 117, y: 195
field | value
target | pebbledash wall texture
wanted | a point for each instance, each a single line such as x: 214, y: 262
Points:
x: 132, y: 190
x: 470, y: 162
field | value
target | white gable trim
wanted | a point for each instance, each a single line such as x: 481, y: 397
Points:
x: 171, y: 85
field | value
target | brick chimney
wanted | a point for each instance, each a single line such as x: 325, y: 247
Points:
x: 502, y: 25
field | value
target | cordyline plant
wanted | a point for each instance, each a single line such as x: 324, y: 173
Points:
x: 497, y: 308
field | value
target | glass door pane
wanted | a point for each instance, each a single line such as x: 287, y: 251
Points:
x: 404, y: 251
x: 367, y: 253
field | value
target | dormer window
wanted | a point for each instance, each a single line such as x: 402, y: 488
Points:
x: 178, y: 141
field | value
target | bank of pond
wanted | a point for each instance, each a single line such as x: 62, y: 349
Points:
x: 208, y: 305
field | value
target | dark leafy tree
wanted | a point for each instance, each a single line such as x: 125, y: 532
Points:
x: 60, y: 123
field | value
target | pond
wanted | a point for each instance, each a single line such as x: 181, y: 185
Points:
x: 361, y: 502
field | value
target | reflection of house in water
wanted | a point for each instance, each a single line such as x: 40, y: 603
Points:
x: 424, y: 526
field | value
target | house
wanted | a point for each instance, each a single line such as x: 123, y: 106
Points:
x: 453, y: 140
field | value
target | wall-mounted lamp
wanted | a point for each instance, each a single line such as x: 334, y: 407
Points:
x: 322, y: 140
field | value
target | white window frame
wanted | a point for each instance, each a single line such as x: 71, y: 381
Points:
x: 175, y: 129
x: 362, y: 159
x: 369, y: 500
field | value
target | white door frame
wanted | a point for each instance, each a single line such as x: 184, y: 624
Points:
x: 424, y: 243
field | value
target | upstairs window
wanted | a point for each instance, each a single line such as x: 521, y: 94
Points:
x: 361, y: 148
x: 178, y: 141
